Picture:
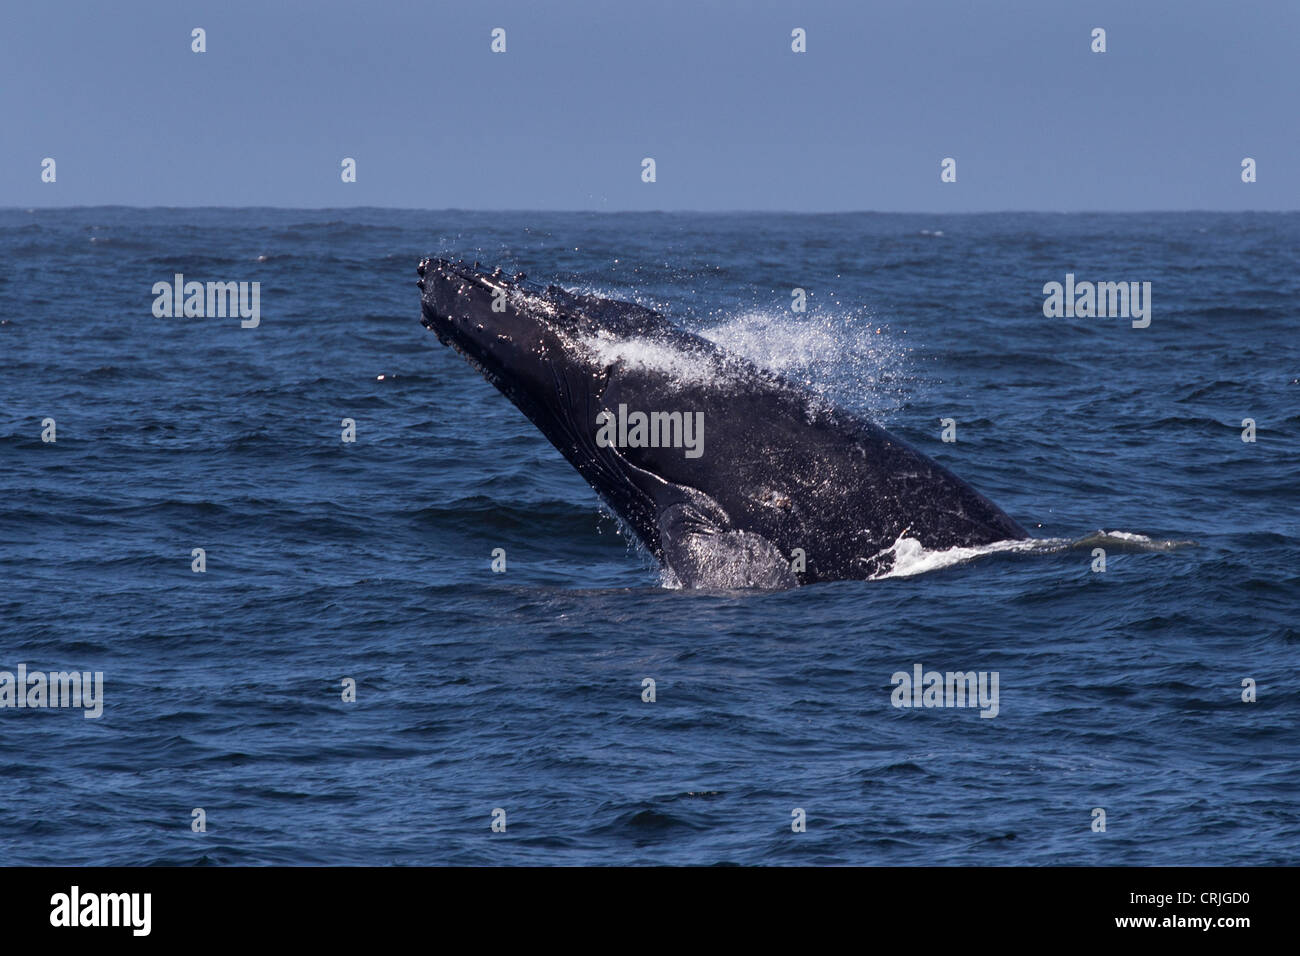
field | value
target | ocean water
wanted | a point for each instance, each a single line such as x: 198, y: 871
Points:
x: 522, y: 691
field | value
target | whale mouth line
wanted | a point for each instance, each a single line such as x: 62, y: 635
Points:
x: 470, y: 360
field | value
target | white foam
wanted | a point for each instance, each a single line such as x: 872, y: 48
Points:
x: 680, y: 367
x: 1126, y: 536
x: 1128, y: 541
x: 843, y: 357
x: 912, y: 558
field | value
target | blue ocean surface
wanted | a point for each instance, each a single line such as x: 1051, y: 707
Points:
x: 1120, y: 690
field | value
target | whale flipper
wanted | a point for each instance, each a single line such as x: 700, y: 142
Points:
x: 704, y: 551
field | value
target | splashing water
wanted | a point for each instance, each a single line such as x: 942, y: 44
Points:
x: 844, y: 358
x: 682, y: 368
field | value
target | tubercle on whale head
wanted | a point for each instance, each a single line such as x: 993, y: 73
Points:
x: 510, y: 329
x: 452, y: 292
x: 434, y: 271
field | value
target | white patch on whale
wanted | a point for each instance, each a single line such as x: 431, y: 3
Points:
x: 681, y: 368
x: 910, y: 557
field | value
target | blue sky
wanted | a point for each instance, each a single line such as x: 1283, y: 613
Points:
x: 710, y: 90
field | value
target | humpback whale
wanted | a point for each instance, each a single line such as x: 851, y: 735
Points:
x: 729, y: 474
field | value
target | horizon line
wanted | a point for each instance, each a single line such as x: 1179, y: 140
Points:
x: 666, y: 212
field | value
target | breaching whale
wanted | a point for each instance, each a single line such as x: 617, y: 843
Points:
x: 730, y: 475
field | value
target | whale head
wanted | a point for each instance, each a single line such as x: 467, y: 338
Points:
x: 480, y: 315
x: 554, y: 354
x: 540, y: 345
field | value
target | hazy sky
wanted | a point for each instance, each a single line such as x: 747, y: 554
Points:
x: 711, y: 90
